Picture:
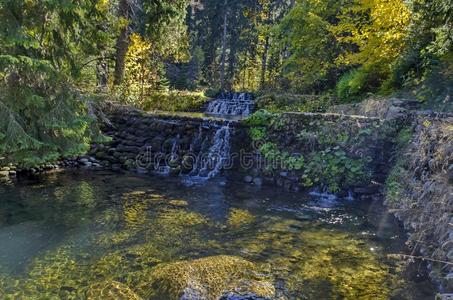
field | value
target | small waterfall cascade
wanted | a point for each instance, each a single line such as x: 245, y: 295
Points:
x: 199, y: 154
x: 164, y: 167
x: 232, y: 104
x: 214, y: 153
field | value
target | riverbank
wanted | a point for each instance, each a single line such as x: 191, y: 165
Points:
x: 383, y: 150
x: 419, y: 183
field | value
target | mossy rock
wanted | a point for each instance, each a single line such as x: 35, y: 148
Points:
x: 208, y: 278
x: 178, y: 203
x: 239, y: 217
x: 111, y: 290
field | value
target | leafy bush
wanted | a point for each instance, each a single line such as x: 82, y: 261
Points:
x: 257, y: 133
x: 278, y: 159
x: 258, y: 123
x: 354, y: 84
x: 260, y: 118
x: 332, y: 168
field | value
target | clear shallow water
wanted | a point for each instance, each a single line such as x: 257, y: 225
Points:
x: 79, y: 235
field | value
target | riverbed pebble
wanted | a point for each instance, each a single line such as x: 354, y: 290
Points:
x: 248, y: 179
x: 258, y: 181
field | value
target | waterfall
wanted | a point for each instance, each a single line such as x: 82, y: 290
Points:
x: 213, y: 155
x: 163, y: 162
x: 200, y: 154
x: 231, y: 104
x: 205, y: 157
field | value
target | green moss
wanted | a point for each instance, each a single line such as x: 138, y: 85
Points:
x: 398, y: 173
x: 239, y: 217
x: 211, y: 276
x: 174, y: 101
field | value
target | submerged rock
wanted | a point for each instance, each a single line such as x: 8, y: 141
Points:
x: 207, y: 278
x: 248, y: 179
x: 239, y: 217
x: 258, y: 181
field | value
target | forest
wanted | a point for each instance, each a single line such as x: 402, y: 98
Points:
x: 59, y: 56
x: 226, y: 149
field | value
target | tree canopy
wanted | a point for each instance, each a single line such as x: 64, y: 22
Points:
x: 58, y: 56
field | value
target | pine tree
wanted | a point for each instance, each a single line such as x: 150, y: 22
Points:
x: 45, y: 46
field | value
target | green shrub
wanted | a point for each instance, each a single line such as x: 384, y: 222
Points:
x: 355, y: 84
x: 278, y: 159
x: 258, y: 123
x: 257, y: 133
x: 331, y: 168
x: 261, y: 118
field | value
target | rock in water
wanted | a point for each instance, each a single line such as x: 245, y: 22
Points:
x: 248, y: 179
x: 258, y: 181
x: 206, y: 278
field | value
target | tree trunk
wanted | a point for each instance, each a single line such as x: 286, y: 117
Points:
x: 122, y: 43
x: 264, y: 62
x: 224, y: 39
x: 232, y: 62
x: 102, y: 74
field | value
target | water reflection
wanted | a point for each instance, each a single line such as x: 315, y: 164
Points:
x: 70, y: 235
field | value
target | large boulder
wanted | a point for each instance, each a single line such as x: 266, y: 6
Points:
x: 208, y: 278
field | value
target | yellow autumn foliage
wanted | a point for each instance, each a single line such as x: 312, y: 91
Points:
x: 377, y: 27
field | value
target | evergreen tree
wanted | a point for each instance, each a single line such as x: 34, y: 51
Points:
x: 45, y: 47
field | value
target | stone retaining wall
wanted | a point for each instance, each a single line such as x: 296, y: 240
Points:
x: 420, y: 192
x: 315, y: 136
x: 144, y: 142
